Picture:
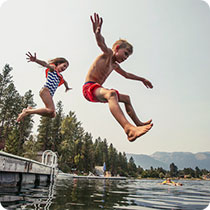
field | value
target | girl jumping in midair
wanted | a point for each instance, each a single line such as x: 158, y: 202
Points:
x: 54, y: 79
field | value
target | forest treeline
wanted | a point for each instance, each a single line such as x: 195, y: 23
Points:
x: 76, y: 149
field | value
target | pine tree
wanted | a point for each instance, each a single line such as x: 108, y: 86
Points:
x: 11, y: 143
x: 105, y: 152
x: 197, y: 172
x: 88, y: 153
x: 122, y: 164
x: 26, y: 125
x: 56, y: 127
x: 44, y: 137
x: 132, y: 169
x: 173, y: 170
x: 70, y: 147
x: 113, y: 159
x: 8, y: 113
x: 30, y: 149
x: 11, y: 103
x: 98, y: 152
x: 5, y: 82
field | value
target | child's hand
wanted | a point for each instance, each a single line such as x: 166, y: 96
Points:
x: 30, y: 57
x: 97, y: 22
x: 67, y: 89
x: 147, y: 83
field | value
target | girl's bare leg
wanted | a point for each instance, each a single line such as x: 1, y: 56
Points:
x: 48, y: 111
x: 132, y: 132
x: 130, y: 110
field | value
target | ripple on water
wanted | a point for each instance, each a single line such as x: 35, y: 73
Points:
x: 114, y: 194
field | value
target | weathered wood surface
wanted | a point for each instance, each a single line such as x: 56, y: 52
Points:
x: 14, y: 163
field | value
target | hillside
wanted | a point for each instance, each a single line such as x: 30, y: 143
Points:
x: 180, y: 159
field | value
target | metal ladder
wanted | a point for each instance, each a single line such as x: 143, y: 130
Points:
x: 50, y: 158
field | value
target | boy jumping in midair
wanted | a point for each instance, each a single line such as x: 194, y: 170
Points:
x: 101, y: 68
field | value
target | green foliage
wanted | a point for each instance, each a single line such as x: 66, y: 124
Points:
x: 13, y: 135
x: 30, y: 149
x: 56, y: 127
x: 71, y: 144
x: 87, y: 152
x: 44, y: 138
x: 173, y: 170
x: 132, y: 169
x: 75, y: 147
x: 161, y: 173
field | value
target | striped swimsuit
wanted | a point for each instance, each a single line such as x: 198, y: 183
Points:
x: 53, y: 81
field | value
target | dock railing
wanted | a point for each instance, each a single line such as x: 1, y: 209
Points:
x: 50, y: 158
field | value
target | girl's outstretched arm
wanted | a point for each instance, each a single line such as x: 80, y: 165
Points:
x: 33, y: 58
x: 66, y: 86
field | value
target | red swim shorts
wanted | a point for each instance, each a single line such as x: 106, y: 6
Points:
x: 88, y: 91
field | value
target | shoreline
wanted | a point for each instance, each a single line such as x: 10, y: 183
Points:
x: 190, y: 179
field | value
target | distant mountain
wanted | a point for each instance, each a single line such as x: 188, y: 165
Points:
x: 180, y: 159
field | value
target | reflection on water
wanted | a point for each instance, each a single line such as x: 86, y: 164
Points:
x: 108, y: 194
x: 27, y: 197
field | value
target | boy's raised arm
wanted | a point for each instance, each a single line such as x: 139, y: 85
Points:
x: 97, y: 23
x: 128, y: 75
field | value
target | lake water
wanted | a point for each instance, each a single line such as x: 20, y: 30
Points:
x: 108, y: 194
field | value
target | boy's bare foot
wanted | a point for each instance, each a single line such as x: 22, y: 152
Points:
x: 21, y: 115
x: 144, y: 123
x: 134, y: 132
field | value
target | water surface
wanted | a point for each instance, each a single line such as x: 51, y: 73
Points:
x: 108, y: 194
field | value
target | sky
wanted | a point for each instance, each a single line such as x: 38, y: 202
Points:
x: 171, y: 41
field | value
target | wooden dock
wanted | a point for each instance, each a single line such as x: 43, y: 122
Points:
x: 16, y: 170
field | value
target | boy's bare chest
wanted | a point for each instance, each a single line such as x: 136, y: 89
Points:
x: 105, y: 67
x: 105, y: 64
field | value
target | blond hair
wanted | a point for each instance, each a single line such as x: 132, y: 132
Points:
x: 58, y: 61
x: 122, y: 43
